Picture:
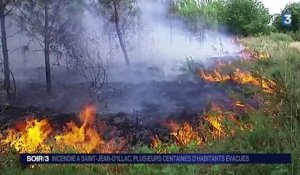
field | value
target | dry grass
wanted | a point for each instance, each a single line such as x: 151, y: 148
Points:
x: 295, y: 45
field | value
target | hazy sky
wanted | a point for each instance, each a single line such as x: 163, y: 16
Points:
x: 275, y: 6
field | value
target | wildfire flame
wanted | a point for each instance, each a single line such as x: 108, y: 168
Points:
x: 246, y: 53
x: 155, y: 141
x: 85, y: 137
x: 32, y: 136
x: 238, y: 76
x: 216, y: 117
x: 183, y: 134
x: 214, y: 76
x: 29, y: 137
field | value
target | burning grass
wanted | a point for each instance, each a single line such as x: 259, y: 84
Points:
x: 183, y: 133
x: 83, y: 138
x: 237, y: 76
x: 38, y: 136
x: 213, y: 125
x: 29, y: 136
x: 34, y: 135
x: 255, y: 55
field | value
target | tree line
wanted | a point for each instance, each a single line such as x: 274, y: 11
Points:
x: 242, y: 17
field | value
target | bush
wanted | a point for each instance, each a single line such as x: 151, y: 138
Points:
x: 295, y: 35
x: 214, y: 13
x: 201, y: 15
x: 247, y: 17
x: 243, y: 17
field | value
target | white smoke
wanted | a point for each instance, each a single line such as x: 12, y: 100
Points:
x: 165, y: 43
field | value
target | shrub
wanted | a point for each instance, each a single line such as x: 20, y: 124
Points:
x: 243, y: 17
x: 295, y: 35
x: 247, y: 17
x: 200, y: 15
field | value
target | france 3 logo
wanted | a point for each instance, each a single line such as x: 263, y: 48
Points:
x: 287, y: 19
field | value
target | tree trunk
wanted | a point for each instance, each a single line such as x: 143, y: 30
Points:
x: 47, y: 49
x: 4, y: 49
x: 120, y: 36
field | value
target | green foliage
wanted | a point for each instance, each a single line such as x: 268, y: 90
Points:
x: 203, y: 14
x: 265, y: 138
x: 214, y: 13
x: 295, y: 35
x: 243, y: 17
x: 284, y: 72
x: 247, y: 17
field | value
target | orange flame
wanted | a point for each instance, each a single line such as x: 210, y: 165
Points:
x: 217, y: 117
x: 155, y: 141
x: 84, y: 138
x: 212, y: 126
x: 214, y: 119
x: 31, y: 137
x: 238, y: 76
x: 214, y: 76
x: 246, y: 53
x: 87, y: 115
x: 184, y: 134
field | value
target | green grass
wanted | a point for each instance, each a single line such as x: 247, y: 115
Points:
x: 281, y: 37
x: 295, y: 35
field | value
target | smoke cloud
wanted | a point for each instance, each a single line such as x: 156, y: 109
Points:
x: 158, y: 46
x: 164, y: 43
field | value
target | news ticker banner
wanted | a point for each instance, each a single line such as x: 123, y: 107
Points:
x: 155, y: 158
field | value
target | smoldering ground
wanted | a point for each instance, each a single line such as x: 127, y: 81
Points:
x: 158, y: 46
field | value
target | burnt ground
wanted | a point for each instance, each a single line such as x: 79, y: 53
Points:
x: 111, y: 125
x: 134, y: 111
x: 148, y: 101
x: 163, y: 97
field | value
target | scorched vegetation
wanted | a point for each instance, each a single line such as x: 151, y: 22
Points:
x: 260, y: 114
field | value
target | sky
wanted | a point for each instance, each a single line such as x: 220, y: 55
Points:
x: 275, y: 6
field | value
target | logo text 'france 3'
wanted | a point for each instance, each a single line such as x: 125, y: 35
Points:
x: 287, y: 19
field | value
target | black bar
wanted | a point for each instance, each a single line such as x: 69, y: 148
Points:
x: 155, y: 158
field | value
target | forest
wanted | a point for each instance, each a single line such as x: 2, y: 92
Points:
x: 148, y: 76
